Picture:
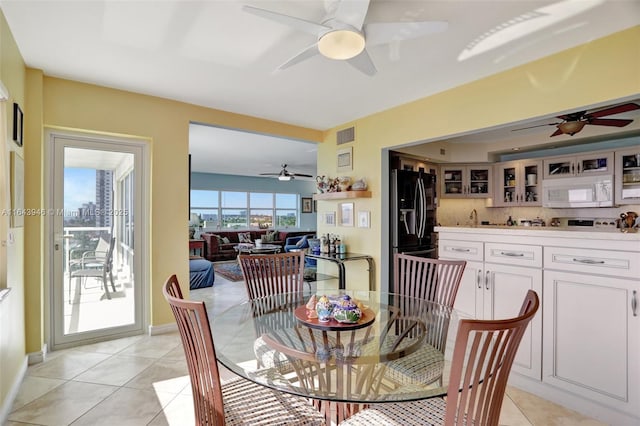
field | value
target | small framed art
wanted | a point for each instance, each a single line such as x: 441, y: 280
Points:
x: 17, y: 124
x: 346, y: 214
x: 364, y: 219
x: 330, y: 218
x: 345, y: 159
x: 307, y: 205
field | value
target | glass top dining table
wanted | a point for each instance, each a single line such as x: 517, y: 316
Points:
x: 395, y: 352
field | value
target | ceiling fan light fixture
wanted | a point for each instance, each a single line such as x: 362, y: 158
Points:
x: 284, y: 177
x: 341, y: 44
x: 571, y: 127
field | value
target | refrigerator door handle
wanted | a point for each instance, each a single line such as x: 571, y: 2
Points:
x: 420, y: 208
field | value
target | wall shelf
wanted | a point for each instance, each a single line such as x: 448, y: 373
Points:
x: 342, y: 195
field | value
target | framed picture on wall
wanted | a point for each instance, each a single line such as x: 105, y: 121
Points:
x: 346, y: 214
x: 345, y: 159
x: 307, y: 206
x: 17, y: 124
x: 364, y: 219
x: 330, y: 218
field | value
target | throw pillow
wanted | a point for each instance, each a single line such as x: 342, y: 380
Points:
x: 300, y: 243
x: 219, y: 239
x: 225, y: 240
x: 270, y: 237
x: 244, y: 237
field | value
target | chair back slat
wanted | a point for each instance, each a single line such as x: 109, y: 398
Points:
x: 435, y: 280
x: 482, y: 359
x: 197, y: 341
x: 271, y: 274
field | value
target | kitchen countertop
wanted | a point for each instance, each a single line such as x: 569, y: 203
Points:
x: 542, y: 231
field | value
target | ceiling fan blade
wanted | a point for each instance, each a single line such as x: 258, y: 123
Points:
x: 269, y: 174
x: 363, y: 63
x: 301, y: 56
x: 615, y: 122
x: 614, y: 110
x: 300, y: 175
x: 297, y: 23
x: 532, y: 127
x: 385, y: 32
x: 352, y: 12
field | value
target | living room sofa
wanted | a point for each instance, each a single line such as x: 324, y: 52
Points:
x: 217, y: 248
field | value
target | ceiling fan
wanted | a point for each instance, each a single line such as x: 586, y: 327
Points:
x: 284, y: 174
x: 342, y: 35
x: 575, y: 122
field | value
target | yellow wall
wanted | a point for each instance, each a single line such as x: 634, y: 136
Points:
x: 89, y: 108
x: 599, y: 71
x: 12, y: 313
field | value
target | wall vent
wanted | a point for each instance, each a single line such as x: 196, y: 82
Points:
x: 346, y: 135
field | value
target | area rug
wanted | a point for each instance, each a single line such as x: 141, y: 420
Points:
x: 230, y: 270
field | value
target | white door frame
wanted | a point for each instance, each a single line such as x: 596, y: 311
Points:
x: 142, y: 230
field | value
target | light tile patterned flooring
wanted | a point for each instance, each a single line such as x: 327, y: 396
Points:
x: 143, y: 380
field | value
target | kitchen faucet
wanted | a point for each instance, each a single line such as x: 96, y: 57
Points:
x: 474, y: 216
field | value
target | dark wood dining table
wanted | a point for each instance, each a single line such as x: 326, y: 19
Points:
x: 341, y: 367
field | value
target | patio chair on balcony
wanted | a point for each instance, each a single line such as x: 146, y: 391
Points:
x: 94, y: 264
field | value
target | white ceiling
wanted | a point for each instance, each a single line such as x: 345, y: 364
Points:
x: 211, y: 53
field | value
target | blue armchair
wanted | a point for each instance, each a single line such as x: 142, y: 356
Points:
x: 296, y: 243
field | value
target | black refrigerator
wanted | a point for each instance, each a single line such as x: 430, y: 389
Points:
x: 413, y: 213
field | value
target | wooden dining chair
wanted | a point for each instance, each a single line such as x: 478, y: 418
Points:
x: 433, y: 280
x: 238, y: 401
x: 270, y: 275
x: 482, y: 358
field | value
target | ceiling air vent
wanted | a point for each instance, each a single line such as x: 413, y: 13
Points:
x: 346, y: 135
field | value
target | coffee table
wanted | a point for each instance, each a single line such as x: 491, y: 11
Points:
x: 263, y: 249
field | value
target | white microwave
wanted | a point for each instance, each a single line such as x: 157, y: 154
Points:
x: 584, y: 191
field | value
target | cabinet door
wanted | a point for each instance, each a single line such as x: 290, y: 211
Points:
x: 453, y: 183
x: 558, y: 167
x: 506, y: 184
x: 469, y: 300
x: 505, y: 290
x: 531, y: 179
x: 518, y: 183
x: 591, y: 338
x: 479, y: 178
x: 628, y: 176
x: 595, y: 163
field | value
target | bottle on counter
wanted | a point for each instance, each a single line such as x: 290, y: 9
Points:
x: 509, y: 221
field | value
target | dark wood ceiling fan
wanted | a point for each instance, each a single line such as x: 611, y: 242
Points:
x: 284, y: 174
x: 574, y: 122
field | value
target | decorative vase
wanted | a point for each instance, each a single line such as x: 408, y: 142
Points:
x: 344, y: 182
x: 324, y: 309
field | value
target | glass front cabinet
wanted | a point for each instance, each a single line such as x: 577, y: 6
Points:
x: 518, y: 183
x: 627, y: 180
x: 465, y: 181
x: 594, y: 163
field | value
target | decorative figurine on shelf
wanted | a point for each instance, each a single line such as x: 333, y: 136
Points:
x: 344, y: 182
x: 322, y: 182
x: 347, y: 311
x: 359, y: 185
x: 324, y: 309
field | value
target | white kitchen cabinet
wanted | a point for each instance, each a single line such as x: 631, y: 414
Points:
x: 627, y: 177
x: 465, y: 181
x: 592, y: 337
x: 517, y: 183
x: 588, y: 164
x: 495, y: 288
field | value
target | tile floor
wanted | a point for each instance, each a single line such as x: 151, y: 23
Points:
x: 143, y: 380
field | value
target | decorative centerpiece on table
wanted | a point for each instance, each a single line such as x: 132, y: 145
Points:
x: 324, y: 309
x: 347, y: 310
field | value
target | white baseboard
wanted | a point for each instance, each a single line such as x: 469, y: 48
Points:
x: 154, y: 330
x: 38, y: 357
x: 5, y: 409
